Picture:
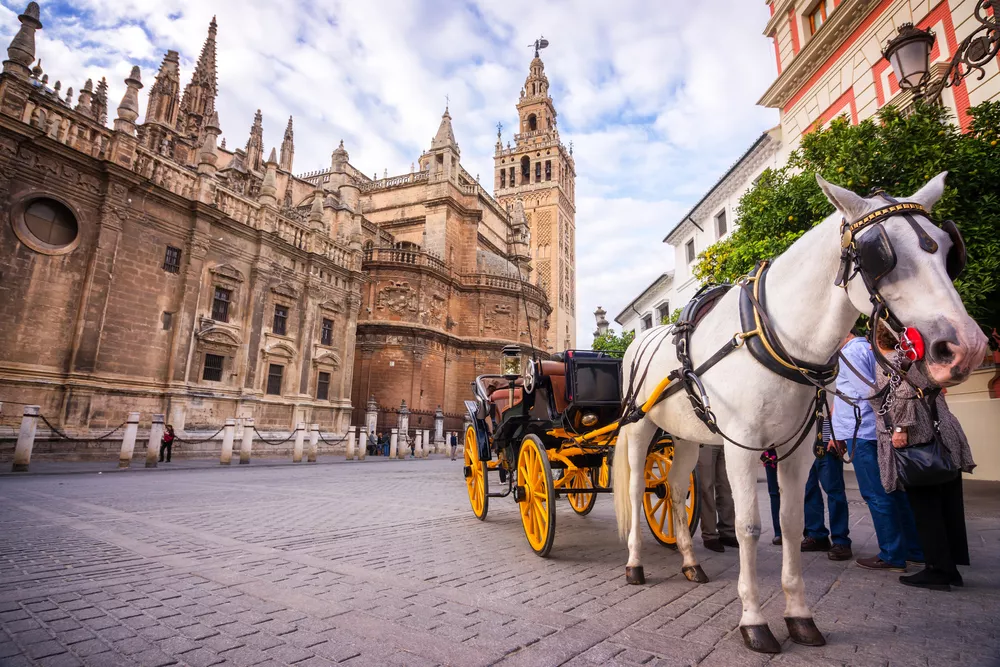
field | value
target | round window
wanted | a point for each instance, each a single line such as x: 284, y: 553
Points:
x: 46, y: 225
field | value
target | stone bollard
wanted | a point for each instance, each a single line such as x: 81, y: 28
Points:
x: 428, y: 445
x: 128, y: 440
x: 350, y: 442
x: 393, y: 443
x: 300, y: 434
x: 418, y: 450
x: 313, y: 443
x: 26, y: 438
x: 155, y: 438
x: 228, y: 433
x: 247, y: 445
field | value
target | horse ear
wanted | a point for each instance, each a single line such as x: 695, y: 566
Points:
x: 852, y: 206
x: 929, y: 195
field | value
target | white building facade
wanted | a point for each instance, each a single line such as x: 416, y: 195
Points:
x: 651, y: 306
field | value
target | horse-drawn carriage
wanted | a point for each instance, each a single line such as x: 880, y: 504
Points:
x: 548, y: 431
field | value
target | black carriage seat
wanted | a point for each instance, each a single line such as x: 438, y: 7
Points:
x: 555, y: 371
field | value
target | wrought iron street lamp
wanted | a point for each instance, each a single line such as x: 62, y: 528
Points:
x: 909, y: 54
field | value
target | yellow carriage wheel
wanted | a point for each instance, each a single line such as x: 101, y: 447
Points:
x: 604, y: 473
x: 536, y: 495
x: 581, y: 503
x: 475, y: 476
x: 657, y: 504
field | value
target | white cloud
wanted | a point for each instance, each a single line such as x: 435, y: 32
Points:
x: 658, y: 98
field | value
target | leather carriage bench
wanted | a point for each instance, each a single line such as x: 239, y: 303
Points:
x: 501, y: 397
x: 555, y: 371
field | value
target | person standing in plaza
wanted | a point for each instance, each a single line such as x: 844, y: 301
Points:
x: 718, y: 514
x: 827, y: 471
x: 895, y: 528
x: 770, y: 460
x: 167, y: 442
x: 454, y: 446
x: 939, y: 509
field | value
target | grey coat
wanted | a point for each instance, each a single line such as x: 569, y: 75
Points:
x: 909, y: 411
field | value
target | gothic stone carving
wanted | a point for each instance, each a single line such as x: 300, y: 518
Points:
x: 397, y: 297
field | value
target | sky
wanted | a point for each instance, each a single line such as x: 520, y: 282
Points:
x: 658, y: 97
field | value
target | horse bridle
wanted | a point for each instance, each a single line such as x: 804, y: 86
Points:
x: 873, y: 257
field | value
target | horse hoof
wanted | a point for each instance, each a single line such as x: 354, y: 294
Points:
x: 695, y: 573
x: 760, y: 639
x: 635, y: 575
x: 804, y: 631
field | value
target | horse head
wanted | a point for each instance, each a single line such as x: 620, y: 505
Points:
x: 910, y: 263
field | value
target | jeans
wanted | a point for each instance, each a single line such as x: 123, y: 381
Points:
x: 895, y: 527
x: 772, y: 491
x: 167, y: 447
x: 827, y: 472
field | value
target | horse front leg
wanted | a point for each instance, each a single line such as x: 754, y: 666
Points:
x: 685, y: 459
x: 792, y: 475
x: 639, y: 437
x: 741, y: 467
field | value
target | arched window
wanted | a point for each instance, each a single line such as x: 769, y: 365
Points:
x: 548, y: 170
x: 525, y: 169
x: 503, y: 178
x: 532, y: 123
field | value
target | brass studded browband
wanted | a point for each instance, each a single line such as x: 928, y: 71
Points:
x: 849, y: 230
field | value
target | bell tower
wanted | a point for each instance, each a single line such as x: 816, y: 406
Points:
x: 539, y: 171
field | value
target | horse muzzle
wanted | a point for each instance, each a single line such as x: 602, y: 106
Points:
x: 953, y: 352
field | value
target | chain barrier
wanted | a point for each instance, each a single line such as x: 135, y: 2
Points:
x: 278, y: 442
x: 335, y: 442
x: 62, y: 435
x: 177, y: 438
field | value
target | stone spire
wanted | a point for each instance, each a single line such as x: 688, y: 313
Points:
x: 602, y: 322
x: 287, y: 148
x: 83, y: 103
x: 208, y: 154
x: 269, y: 188
x: 128, y: 110
x: 339, y: 159
x: 198, y: 102
x: 316, y: 212
x: 163, y: 96
x: 99, y: 106
x: 255, y: 144
x: 21, y: 52
x: 445, y: 136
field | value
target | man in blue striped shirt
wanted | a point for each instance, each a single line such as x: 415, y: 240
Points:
x: 895, y: 528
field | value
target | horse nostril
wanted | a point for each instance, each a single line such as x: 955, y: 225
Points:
x: 941, y: 352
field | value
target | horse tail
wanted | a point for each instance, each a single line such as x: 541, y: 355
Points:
x: 620, y: 483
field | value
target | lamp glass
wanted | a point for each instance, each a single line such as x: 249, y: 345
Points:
x: 510, y: 365
x: 910, y: 62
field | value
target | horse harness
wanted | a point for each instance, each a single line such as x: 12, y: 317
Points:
x: 871, y: 255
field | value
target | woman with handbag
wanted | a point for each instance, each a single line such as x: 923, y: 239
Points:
x: 922, y: 449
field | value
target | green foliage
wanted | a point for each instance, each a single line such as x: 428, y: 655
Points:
x: 672, y: 317
x: 612, y: 343
x: 896, y: 153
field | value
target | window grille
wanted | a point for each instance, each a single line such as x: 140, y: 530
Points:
x: 280, y: 320
x: 213, y: 368
x: 326, y: 335
x: 220, y: 304
x: 274, y: 373
x: 323, y: 386
x: 172, y: 260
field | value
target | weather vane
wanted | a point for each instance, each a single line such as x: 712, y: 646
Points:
x: 499, y: 129
x: 540, y: 43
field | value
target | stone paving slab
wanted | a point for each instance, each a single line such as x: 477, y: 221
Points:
x: 382, y: 563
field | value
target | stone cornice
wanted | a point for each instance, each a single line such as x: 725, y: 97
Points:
x: 779, y: 16
x: 796, y: 73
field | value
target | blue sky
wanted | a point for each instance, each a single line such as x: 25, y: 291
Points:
x: 657, y: 96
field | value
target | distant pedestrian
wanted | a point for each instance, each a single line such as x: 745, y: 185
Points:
x: 827, y: 472
x: 770, y: 461
x: 167, y: 442
x: 413, y: 446
x: 454, y: 445
x: 718, y: 514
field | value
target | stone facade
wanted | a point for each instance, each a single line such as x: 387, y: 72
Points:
x: 539, y: 172
x: 145, y: 268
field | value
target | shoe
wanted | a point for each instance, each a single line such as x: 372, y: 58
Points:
x: 776, y: 541
x: 812, y: 544
x: 730, y: 542
x: 956, y: 580
x: 876, y: 563
x: 839, y: 552
x: 935, y: 580
x: 714, y: 545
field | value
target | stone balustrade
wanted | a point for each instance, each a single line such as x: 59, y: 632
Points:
x: 394, y: 182
x: 165, y: 173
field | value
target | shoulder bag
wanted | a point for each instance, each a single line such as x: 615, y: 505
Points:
x: 927, y: 463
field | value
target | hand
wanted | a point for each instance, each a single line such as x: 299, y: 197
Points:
x: 837, y: 446
x: 900, y: 440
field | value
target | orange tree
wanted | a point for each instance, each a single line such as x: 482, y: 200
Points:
x: 898, y: 154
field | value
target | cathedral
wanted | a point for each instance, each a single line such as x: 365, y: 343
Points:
x: 148, y: 268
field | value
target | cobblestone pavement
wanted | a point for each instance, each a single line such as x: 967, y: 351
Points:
x: 382, y: 563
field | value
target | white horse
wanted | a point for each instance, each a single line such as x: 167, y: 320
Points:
x: 756, y: 407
